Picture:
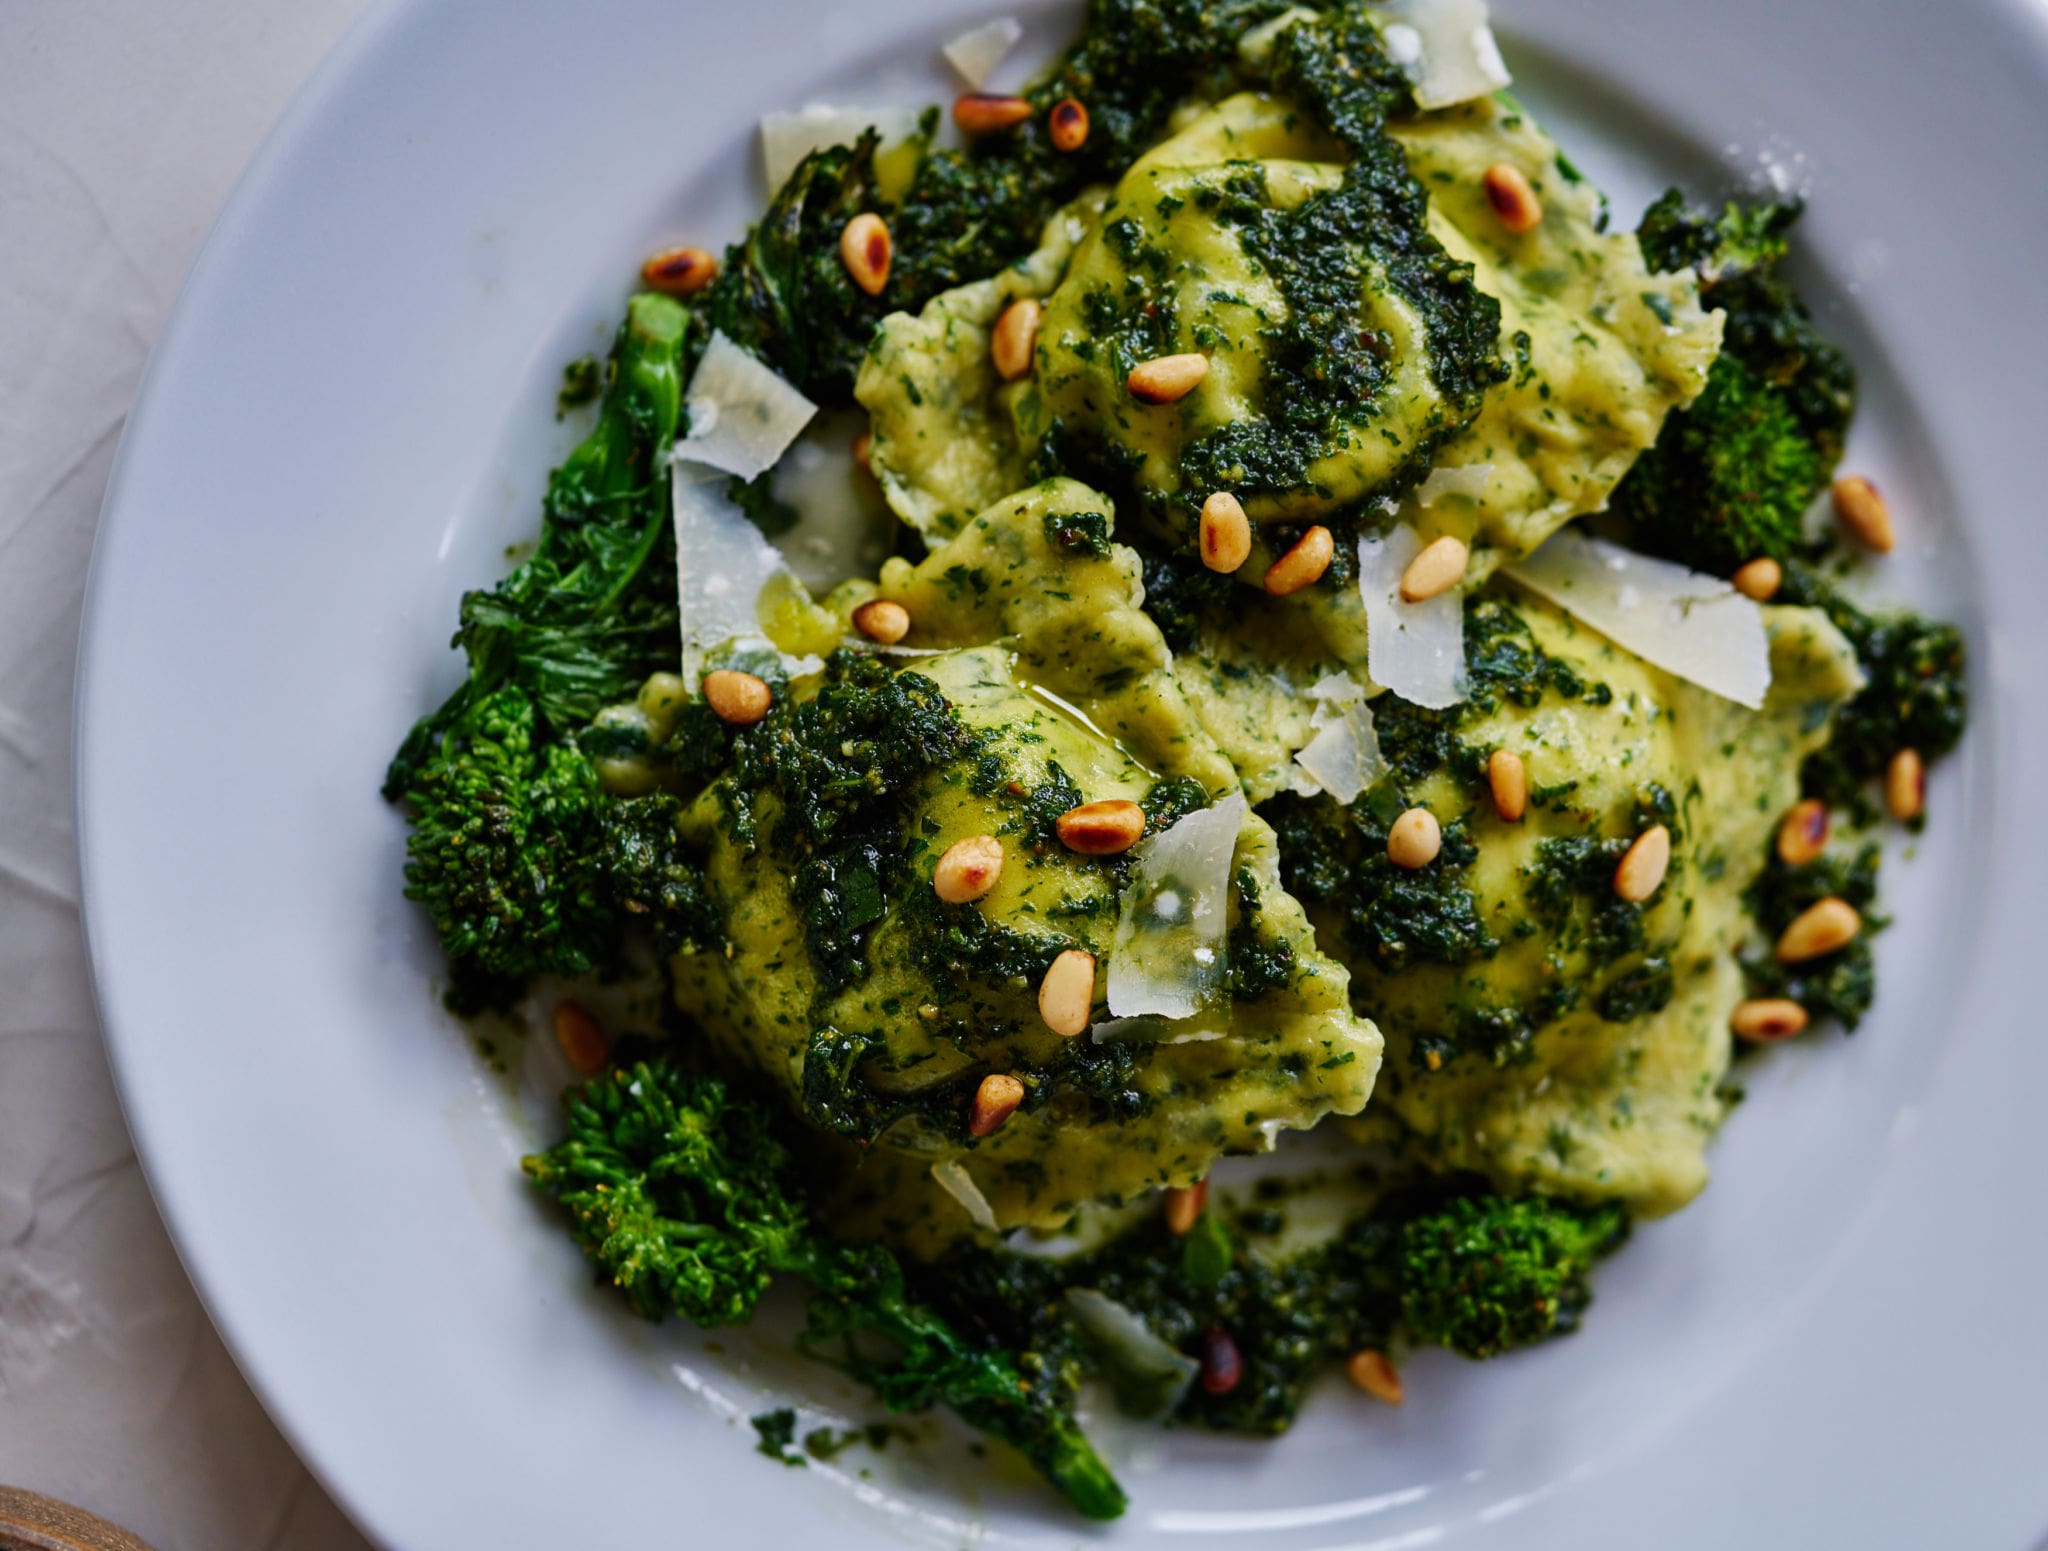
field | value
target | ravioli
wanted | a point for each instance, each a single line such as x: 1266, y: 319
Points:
x: 943, y: 443
x: 1031, y: 623
x: 1561, y: 1040
x: 1212, y: 243
x: 1599, y: 349
x: 1038, y: 572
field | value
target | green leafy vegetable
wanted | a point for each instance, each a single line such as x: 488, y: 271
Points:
x: 777, y: 1432
x: 592, y: 611
x: 683, y: 1197
x: 1289, y: 1319
x: 1839, y: 985
x: 1485, y: 1274
x: 1731, y: 478
x: 503, y: 851
x: 1917, y: 695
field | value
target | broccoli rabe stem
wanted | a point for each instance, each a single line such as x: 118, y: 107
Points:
x: 858, y: 1291
x: 682, y: 1195
x: 589, y: 614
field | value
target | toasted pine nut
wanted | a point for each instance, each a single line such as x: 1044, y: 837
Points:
x: 1759, y: 578
x: 736, y: 697
x: 1068, y: 124
x: 1014, y: 338
x: 1640, y: 872
x: 1513, y: 200
x: 1226, y: 533
x: 581, y: 1039
x: 1803, y: 832
x: 984, y: 113
x: 1373, y: 1373
x: 865, y: 249
x: 1101, y: 828
x: 1303, y: 565
x: 1182, y: 1206
x: 1066, y: 995
x: 1414, y: 839
x: 1222, y: 1365
x: 1166, y: 378
x: 995, y: 1101
x: 1905, y: 786
x: 1438, y: 566
x: 1860, y: 509
x: 968, y: 870
x: 862, y: 449
x: 679, y: 271
x: 1762, y: 1019
x: 1508, y: 778
x: 1823, y: 927
x: 882, y: 619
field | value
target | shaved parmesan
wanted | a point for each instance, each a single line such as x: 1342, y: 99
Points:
x: 1335, y: 689
x: 787, y: 138
x: 1404, y: 46
x: 976, y: 53
x: 1344, y: 758
x: 1149, y: 1031
x: 953, y: 1178
x: 843, y: 528
x: 722, y: 565
x: 1445, y: 48
x: 1148, y: 1376
x: 1416, y: 650
x: 742, y: 416
x: 1167, y: 958
x: 1467, y: 483
x: 1697, y: 627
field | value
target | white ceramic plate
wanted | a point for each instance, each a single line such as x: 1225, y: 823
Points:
x: 349, y: 417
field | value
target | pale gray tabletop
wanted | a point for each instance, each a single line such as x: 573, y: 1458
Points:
x: 123, y: 125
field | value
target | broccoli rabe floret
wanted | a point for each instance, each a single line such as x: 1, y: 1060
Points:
x: 1916, y: 695
x: 501, y: 852
x: 680, y: 1192
x: 1769, y: 329
x: 528, y: 867
x: 1738, y: 240
x: 1484, y: 1274
x: 1731, y: 478
x: 524, y: 863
